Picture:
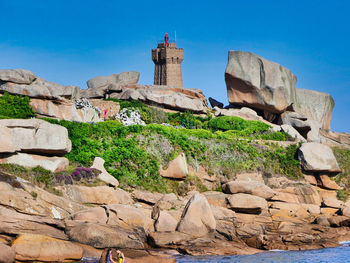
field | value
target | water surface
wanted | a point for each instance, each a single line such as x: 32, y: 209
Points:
x: 326, y: 255
x: 334, y: 255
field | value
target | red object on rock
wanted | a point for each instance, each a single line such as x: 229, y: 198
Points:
x: 166, y: 39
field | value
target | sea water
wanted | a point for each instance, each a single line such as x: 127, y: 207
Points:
x: 326, y: 255
x: 335, y: 255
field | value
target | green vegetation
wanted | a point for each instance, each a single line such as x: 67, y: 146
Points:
x: 44, y: 178
x: 133, y: 154
x: 15, y: 107
x: 343, y: 159
x: 240, y: 126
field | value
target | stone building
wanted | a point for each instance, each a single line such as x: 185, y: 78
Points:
x: 167, y: 60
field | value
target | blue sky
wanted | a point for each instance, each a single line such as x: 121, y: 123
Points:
x: 71, y: 41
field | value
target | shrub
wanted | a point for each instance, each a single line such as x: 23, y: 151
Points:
x: 188, y: 120
x: 237, y: 125
x: 343, y: 178
x: 274, y: 136
x: 15, y: 107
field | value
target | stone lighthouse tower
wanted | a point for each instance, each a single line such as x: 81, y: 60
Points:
x: 167, y: 60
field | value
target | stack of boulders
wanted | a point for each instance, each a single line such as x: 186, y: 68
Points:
x: 124, y: 86
x: 34, y: 142
x: 48, y: 99
x: 269, y: 89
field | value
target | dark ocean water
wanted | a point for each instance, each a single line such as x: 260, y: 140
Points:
x: 327, y: 255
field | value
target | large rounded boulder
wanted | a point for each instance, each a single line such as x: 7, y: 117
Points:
x: 259, y: 83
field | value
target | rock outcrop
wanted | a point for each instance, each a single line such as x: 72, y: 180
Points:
x: 177, y: 168
x: 19, y: 76
x: 33, y: 142
x: 124, y: 86
x: 315, y: 106
x: 23, y: 82
x: 7, y: 254
x: 31, y: 247
x: 63, y: 110
x: 247, y: 203
x: 316, y: 157
x: 258, y: 83
x: 104, y: 175
x: 197, y: 218
x: 173, y: 98
x: 48, y: 99
x: 246, y: 187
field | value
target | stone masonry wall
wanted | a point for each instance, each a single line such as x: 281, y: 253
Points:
x: 167, y: 62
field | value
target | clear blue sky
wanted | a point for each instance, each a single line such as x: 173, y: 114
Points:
x: 71, y: 41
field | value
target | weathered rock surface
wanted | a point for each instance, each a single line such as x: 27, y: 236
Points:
x: 130, y: 217
x: 19, y: 76
x: 98, y: 87
x: 31, y: 247
x: 63, y: 110
x: 214, y: 103
x: 38, y: 136
x: 14, y: 223
x: 293, y: 210
x: 53, y: 164
x: 297, y: 121
x: 146, y: 197
x: 292, y: 132
x: 104, y: 175
x: 335, y: 138
x: 95, y: 214
x: 161, y: 239
x: 246, y: 187
x: 244, y: 113
x: 247, y: 203
x: 258, y: 83
x: 102, y: 236
x: 316, y: 157
x: 176, y: 169
x: 42, y: 89
x: 216, y: 198
x: 101, y: 195
x: 325, y: 182
x: 165, y: 222
x: 250, y: 177
x: 173, y: 98
x: 6, y: 144
x: 20, y: 197
x: 197, y: 218
x: 315, y: 105
x: 302, y: 194
x: 7, y: 254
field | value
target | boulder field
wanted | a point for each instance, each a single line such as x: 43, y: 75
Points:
x: 253, y: 213
x: 250, y: 216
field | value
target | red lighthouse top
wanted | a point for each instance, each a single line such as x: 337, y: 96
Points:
x: 166, y: 39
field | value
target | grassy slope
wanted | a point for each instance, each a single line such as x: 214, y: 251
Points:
x: 133, y: 154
